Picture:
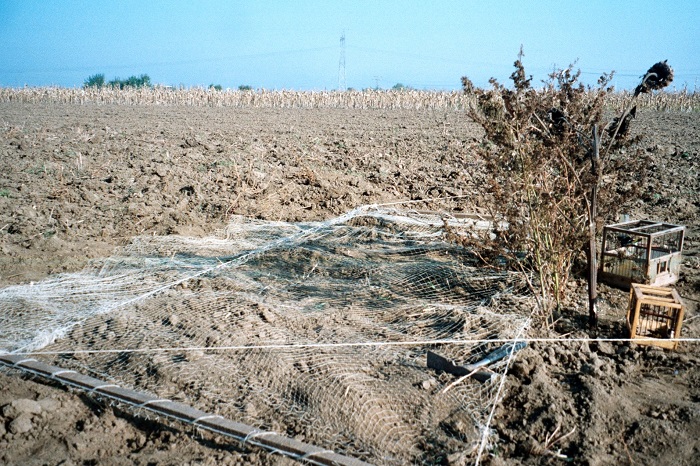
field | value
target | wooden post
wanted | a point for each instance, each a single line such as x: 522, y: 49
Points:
x: 592, y: 250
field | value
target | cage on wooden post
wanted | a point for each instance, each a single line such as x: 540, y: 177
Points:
x: 641, y: 251
x: 655, y: 315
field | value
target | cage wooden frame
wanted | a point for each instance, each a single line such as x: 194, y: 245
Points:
x: 653, y: 311
x: 641, y: 251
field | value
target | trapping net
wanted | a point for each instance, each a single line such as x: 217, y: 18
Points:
x: 316, y: 330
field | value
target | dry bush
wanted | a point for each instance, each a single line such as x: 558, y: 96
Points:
x: 545, y: 173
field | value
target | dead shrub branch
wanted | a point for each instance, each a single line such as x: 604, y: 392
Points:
x: 547, y: 177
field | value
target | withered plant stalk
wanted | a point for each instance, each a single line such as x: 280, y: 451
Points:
x: 547, y: 177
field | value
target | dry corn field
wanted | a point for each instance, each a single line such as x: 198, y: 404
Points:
x: 682, y: 101
x: 87, y: 173
x: 368, y: 99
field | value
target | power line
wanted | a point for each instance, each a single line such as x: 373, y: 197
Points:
x: 170, y: 62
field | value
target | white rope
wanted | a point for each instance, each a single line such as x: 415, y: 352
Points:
x: 496, y: 401
x: 356, y: 344
x: 100, y: 387
x: 150, y: 402
x: 22, y: 361
x: 257, y: 433
x: 311, y: 454
x: 207, y: 416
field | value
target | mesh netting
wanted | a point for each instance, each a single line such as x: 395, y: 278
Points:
x: 315, y: 330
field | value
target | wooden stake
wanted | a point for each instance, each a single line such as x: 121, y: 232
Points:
x: 592, y: 250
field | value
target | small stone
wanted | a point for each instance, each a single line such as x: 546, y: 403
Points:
x: 606, y: 369
x: 250, y: 410
x: 428, y: 384
x: 682, y: 358
x: 22, y: 424
x: 21, y: 406
x: 521, y: 369
x: 139, y: 440
x: 585, y: 349
x: 624, y: 368
x: 76, y: 333
x: 49, y: 404
x: 173, y: 320
x: 605, y: 347
x: 194, y: 355
x: 267, y: 316
x: 667, y: 149
x: 457, y: 459
x: 161, y: 170
x: 466, y: 429
x: 80, y: 445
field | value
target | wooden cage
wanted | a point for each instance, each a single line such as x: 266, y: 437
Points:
x: 655, y: 315
x: 641, y: 251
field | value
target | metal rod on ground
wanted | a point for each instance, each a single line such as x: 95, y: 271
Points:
x: 181, y: 412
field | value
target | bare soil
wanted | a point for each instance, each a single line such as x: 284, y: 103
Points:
x: 76, y: 182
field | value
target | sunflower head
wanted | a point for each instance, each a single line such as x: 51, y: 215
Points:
x: 657, y: 77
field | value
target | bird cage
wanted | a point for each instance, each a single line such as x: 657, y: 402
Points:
x: 641, y: 251
x: 655, y: 315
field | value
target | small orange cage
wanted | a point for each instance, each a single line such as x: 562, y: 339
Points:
x: 655, y: 315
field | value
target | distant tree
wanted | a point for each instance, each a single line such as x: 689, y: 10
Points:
x: 401, y: 87
x: 245, y: 87
x: 216, y: 87
x: 132, y: 81
x: 96, y: 80
x: 142, y: 81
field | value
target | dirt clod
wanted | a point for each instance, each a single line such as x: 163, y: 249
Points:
x: 21, y: 424
x: 21, y: 406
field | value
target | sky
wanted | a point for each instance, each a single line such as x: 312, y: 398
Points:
x: 297, y: 44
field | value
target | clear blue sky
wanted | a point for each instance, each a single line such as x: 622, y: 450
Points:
x: 296, y: 44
